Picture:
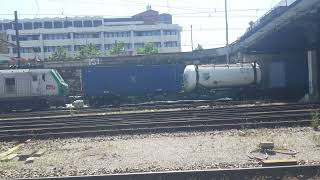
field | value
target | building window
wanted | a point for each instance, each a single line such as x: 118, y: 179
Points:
x: 107, y: 46
x: 49, y: 48
x: 147, y: 33
x: 30, y: 50
x: 86, y: 35
x: 87, y: 23
x: 37, y: 49
x: 27, y: 25
x: 57, y: 24
x: 67, y: 24
x: 77, y: 23
x: 10, y: 85
x: 97, y: 23
x: 19, y: 26
x: 26, y: 37
x: 34, y: 78
x: 117, y: 34
x: 47, y: 25
x: 138, y: 45
x: 1, y: 27
x: 67, y: 48
x: 7, y: 26
x: 54, y: 48
x: 78, y: 47
x: 56, y: 36
x: 37, y: 25
x: 35, y: 37
x: 127, y: 46
x: 98, y: 46
x: 170, y: 32
x: 157, y: 44
x: 171, y: 44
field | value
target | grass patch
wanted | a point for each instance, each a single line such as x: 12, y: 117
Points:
x: 315, y: 120
x: 8, y: 165
x: 316, y: 140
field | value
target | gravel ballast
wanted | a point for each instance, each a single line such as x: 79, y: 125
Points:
x: 158, y: 152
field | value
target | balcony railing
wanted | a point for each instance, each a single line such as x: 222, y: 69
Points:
x: 274, y: 12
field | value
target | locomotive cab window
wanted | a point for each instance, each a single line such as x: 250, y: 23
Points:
x: 43, y: 77
x: 34, y: 77
x: 10, y: 85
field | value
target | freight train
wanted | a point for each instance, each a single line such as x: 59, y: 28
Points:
x: 139, y: 83
x: 131, y: 83
x: 31, y: 89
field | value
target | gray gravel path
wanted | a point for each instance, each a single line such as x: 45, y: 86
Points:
x: 158, y: 152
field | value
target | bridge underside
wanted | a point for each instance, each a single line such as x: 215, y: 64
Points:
x: 294, y: 40
x: 300, y: 35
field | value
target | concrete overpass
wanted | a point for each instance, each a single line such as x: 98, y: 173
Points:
x: 294, y: 26
x: 289, y: 31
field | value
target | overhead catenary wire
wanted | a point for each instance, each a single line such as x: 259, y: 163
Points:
x: 37, y: 4
x: 108, y: 15
x: 212, y: 29
x: 209, y: 11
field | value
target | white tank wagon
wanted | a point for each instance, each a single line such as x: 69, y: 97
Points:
x: 221, y: 76
x: 31, y: 88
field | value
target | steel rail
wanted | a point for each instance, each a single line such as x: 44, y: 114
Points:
x: 64, y: 111
x: 201, y: 119
x: 279, y: 172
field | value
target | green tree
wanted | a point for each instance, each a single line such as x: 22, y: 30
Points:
x: 88, y: 51
x: 60, y: 54
x: 117, y: 49
x: 199, y: 48
x: 148, y: 48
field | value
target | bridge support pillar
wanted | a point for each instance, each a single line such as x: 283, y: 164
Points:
x: 313, y: 94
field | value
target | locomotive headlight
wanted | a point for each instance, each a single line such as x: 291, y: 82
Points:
x: 189, y: 78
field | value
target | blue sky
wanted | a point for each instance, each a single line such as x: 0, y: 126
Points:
x: 206, y: 16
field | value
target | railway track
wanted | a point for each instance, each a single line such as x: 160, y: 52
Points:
x: 163, y: 121
x: 131, y: 107
x: 285, y: 172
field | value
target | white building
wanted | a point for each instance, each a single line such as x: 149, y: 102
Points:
x: 40, y: 37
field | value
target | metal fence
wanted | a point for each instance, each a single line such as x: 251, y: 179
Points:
x: 285, y: 3
x: 277, y: 10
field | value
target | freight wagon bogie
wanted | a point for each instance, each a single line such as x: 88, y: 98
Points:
x: 31, y: 89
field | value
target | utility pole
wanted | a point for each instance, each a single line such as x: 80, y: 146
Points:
x: 191, y: 39
x: 168, y: 6
x: 227, y: 31
x: 17, y: 36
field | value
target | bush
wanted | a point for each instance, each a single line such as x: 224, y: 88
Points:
x: 315, y: 120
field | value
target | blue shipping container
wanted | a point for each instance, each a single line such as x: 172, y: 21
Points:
x: 131, y: 80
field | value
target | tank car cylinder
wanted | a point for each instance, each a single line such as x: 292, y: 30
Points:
x: 221, y: 76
